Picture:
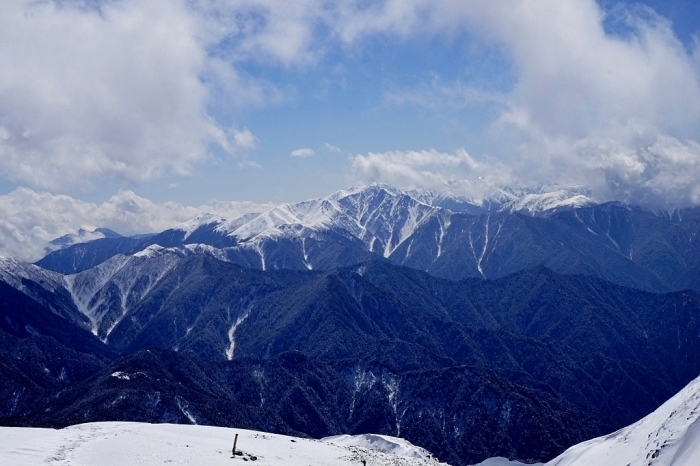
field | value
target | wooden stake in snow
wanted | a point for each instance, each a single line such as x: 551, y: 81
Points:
x: 233, y: 452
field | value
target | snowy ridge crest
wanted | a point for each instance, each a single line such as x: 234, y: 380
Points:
x: 380, y: 216
x: 476, y: 197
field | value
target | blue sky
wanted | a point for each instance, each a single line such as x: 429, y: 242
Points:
x: 172, y: 107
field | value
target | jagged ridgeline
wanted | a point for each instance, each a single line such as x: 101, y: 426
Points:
x: 449, y: 236
x: 303, y: 321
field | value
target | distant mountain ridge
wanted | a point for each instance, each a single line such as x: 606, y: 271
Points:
x: 473, y: 197
x: 443, y: 233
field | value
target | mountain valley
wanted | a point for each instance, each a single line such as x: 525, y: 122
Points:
x: 501, y: 332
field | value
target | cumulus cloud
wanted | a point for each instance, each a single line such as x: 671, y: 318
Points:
x: 619, y: 111
x: 30, y: 219
x: 110, y: 89
x: 622, y: 111
x: 411, y: 169
x: 110, y: 92
x: 302, y: 152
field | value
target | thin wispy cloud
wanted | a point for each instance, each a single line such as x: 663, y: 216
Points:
x: 331, y: 147
x: 436, y: 94
x: 302, y: 153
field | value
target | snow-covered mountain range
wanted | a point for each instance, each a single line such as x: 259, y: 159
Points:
x: 442, y: 232
x: 380, y: 216
x: 331, y: 296
x: 473, y: 197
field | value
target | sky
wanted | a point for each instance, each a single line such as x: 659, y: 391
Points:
x: 139, y: 114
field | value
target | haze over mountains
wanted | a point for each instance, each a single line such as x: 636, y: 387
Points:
x: 367, y: 312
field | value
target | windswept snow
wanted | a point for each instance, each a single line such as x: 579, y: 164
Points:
x: 120, y: 443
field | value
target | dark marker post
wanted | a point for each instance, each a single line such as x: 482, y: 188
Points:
x: 233, y: 452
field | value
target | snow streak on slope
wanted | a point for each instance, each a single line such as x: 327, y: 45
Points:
x: 670, y: 436
x: 107, y: 292
x: 120, y: 443
x: 245, y: 305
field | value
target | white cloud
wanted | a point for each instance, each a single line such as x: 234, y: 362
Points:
x: 249, y: 164
x: 302, y: 152
x: 611, y: 110
x: 427, y: 168
x: 87, y: 93
x: 587, y: 106
x: 125, y: 90
x: 331, y: 147
x: 29, y: 219
x: 116, y: 90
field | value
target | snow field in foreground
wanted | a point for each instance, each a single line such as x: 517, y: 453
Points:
x: 130, y: 443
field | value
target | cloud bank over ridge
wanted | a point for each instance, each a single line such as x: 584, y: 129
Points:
x: 619, y: 112
x: 30, y: 219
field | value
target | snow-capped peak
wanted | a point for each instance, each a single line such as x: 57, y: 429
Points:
x: 380, y: 216
x: 536, y: 203
x: 193, y: 224
x: 476, y: 197
x: 81, y: 236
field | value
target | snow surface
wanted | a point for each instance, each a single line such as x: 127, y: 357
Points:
x: 670, y: 436
x: 534, y: 204
x: 500, y: 461
x: 381, y: 443
x: 126, y: 443
x: 13, y: 271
